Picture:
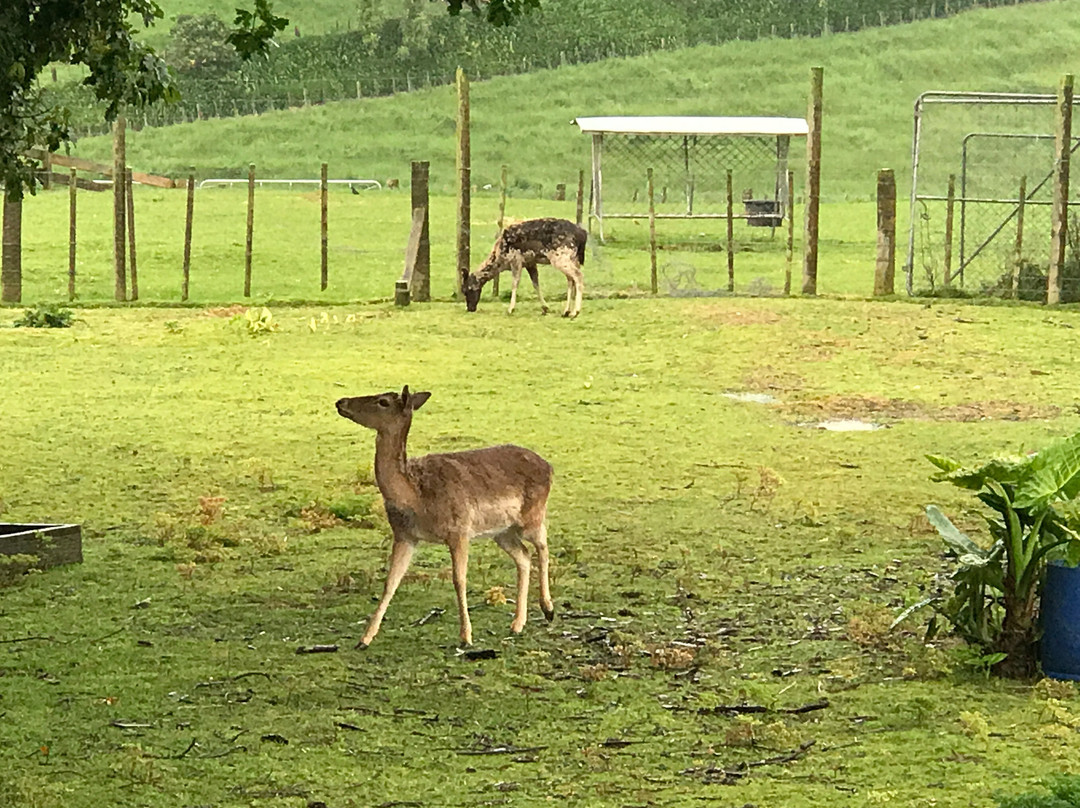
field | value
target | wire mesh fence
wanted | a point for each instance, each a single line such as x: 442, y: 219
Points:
x: 982, y: 196
x: 699, y: 181
x: 690, y: 175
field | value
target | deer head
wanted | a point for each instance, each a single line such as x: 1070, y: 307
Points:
x: 382, y: 412
x: 471, y: 288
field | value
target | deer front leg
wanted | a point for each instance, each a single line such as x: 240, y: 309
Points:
x: 459, y: 561
x: 510, y: 541
x: 400, y: 555
x: 534, y: 276
x: 515, y: 263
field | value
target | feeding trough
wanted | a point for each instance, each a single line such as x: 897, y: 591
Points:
x: 53, y: 545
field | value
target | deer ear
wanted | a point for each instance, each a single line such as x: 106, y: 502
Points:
x: 416, y: 400
x: 405, y: 396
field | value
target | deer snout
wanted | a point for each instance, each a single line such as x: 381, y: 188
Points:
x: 342, y: 405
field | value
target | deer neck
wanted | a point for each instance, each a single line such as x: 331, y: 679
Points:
x: 391, y: 473
x: 490, y: 268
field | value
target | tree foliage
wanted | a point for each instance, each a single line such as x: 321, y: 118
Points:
x: 94, y: 33
x: 99, y: 34
x: 199, y: 43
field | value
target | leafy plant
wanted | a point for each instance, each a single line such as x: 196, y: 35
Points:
x: 1064, y: 793
x: 257, y: 321
x: 51, y: 315
x: 995, y: 598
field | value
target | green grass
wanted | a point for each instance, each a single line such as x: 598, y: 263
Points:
x: 872, y: 78
x: 367, y: 238
x: 684, y: 525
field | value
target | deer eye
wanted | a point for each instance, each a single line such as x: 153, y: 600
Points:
x: 383, y: 402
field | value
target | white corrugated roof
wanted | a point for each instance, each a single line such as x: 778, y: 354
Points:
x: 692, y: 125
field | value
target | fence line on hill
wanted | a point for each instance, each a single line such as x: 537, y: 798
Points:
x: 266, y: 98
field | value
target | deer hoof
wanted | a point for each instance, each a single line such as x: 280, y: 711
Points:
x: 361, y: 646
x: 549, y: 612
x: 543, y: 309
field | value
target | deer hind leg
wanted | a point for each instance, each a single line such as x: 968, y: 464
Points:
x: 579, y: 282
x: 459, y: 560
x: 516, y: 264
x: 538, y: 538
x: 510, y: 541
x: 566, y: 262
x: 534, y: 276
x: 400, y: 555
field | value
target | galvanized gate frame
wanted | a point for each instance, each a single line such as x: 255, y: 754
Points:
x: 950, y: 97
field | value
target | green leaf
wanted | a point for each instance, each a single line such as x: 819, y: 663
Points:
x: 943, y: 463
x: 1054, y: 474
x: 1004, y: 470
x: 961, y: 546
x: 914, y: 607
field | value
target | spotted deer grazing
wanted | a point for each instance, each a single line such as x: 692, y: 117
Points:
x: 452, y: 498
x: 523, y: 245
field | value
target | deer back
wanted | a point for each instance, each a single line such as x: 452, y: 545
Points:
x: 478, y: 491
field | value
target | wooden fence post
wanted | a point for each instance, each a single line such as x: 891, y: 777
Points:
x: 1018, y: 252
x: 250, y: 229
x: 73, y: 187
x: 813, y: 184
x: 129, y: 197
x: 420, y: 285
x: 653, y: 280
x: 502, y: 221
x: 1059, y: 229
x: 188, y: 218
x: 580, y: 210
x: 885, y: 270
x: 464, y: 171
x: 950, y: 219
x: 119, y: 208
x: 730, y: 234
x: 11, y: 260
x: 323, y: 262
x: 789, y: 255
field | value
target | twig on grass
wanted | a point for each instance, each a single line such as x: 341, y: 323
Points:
x: 317, y: 649
x: 732, y: 775
x: 427, y: 618
x: 251, y: 673
x: 501, y: 750
x: 28, y: 639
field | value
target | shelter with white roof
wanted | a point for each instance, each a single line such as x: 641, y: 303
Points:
x: 690, y: 158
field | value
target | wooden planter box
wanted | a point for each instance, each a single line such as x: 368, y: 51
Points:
x: 52, y: 544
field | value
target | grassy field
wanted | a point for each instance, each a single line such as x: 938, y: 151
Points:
x: 872, y: 78
x: 367, y: 238
x: 708, y: 552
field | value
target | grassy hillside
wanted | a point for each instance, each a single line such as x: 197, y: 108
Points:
x: 871, y: 80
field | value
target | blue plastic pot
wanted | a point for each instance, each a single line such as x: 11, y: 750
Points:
x: 1060, y: 613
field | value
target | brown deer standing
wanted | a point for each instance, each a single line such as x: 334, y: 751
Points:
x: 500, y: 491
x: 523, y: 245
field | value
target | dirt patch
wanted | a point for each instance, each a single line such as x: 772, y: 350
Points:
x: 895, y: 409
x: 722, y: 315
x: 1000, y: 411
x: 224, y: 311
